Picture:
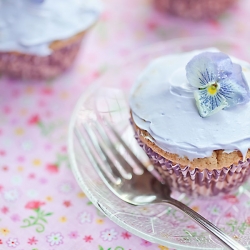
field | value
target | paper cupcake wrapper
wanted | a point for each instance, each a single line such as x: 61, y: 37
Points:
x: 25, y: 66
x: 194, y: 9
x: 197, y: 182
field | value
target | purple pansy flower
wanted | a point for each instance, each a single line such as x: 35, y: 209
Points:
x: 220, y: 82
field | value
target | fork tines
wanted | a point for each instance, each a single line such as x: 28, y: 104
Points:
x: 108, y: 153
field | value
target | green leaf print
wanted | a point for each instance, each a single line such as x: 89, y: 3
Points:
x: 116, y: 248
x: 243, y: 227
x: 235, y: 226
x: 36, y: 221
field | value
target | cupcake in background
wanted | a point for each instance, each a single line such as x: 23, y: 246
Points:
x: 40, y: 38
x: 194, y: 9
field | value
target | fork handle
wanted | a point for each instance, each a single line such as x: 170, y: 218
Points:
x: 207, y: 225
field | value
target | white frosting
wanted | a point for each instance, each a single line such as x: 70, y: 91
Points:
x: 162, y: 103
x: 29, y: 27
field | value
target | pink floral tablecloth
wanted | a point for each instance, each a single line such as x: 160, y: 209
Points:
x: 41, y: 205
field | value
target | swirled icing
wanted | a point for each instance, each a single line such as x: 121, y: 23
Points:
x: 162, y: 103
x: 29, y: 27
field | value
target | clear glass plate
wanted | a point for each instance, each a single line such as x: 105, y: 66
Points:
x: 108, y: 97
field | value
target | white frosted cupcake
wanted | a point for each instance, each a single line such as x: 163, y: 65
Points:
x: 190, y: 113
x: 41, y: 38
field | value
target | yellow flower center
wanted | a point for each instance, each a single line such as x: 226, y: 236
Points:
x: 213, y: 89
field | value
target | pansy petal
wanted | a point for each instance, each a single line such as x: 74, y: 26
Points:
x: 224, y: 65
x: 200, y: 71
x: 235, y: 88
x: 239, y: 77
x: 209, y: 104
x: 208, y: 67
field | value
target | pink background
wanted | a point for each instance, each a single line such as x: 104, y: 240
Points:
x: 34, y: 119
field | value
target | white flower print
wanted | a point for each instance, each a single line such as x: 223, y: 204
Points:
x: 214, y: 209
x: 85, y: 217
x: 109, y: 234
x: 66, y: 187
x: 16, y: 180
x: 32, y: 193
x: 11, y: 195
x: 55, y: 239
x: 12, y: 242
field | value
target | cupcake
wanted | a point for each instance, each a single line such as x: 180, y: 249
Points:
x: 41, y: 38
x: 190, y: 113
x: 194, y: 9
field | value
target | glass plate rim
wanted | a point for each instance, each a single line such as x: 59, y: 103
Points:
x: 88, y: 92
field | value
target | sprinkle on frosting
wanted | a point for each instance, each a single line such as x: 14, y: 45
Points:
x: 220, y: 83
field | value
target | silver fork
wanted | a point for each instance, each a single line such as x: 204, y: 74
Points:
x: 116, y: 172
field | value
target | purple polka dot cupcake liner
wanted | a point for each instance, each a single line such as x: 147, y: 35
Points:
x: 194, y: 9
x: 197, y: 182
x: 25, y: 66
